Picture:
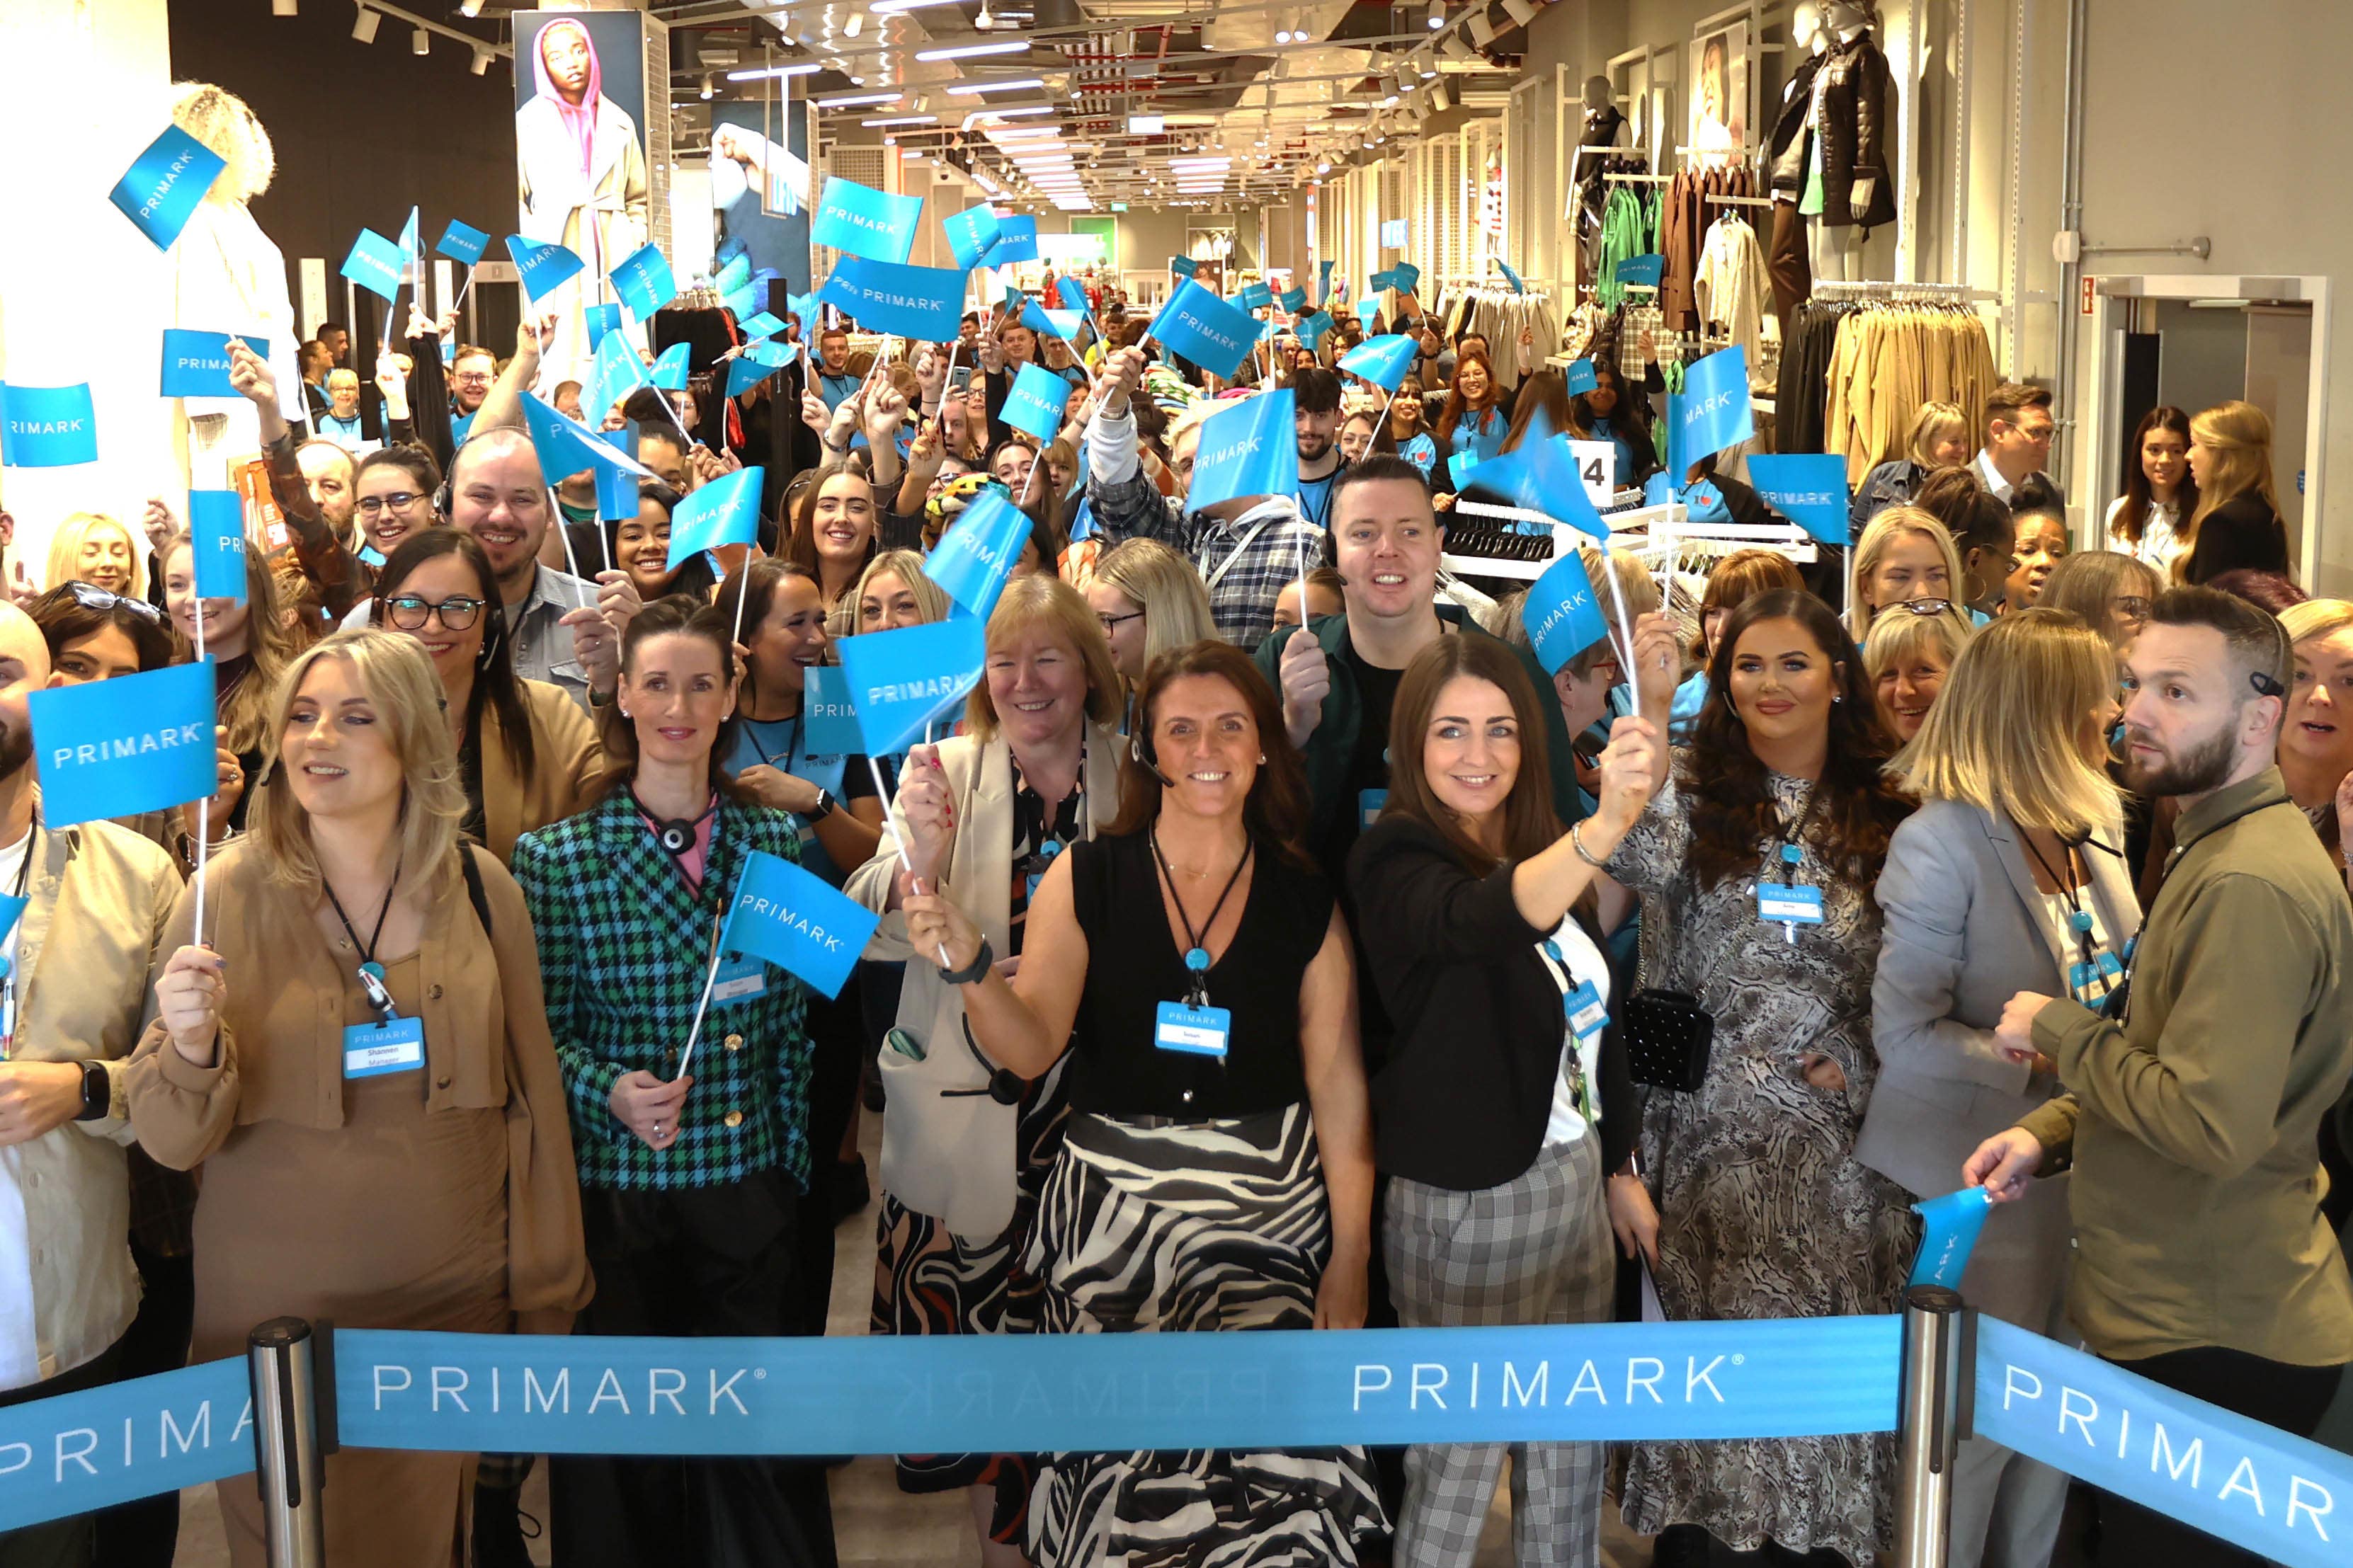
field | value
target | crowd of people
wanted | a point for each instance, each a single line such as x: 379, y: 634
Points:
x: 1872, y: 888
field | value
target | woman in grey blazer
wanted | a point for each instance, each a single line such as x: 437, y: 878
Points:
x: 2010, y: 877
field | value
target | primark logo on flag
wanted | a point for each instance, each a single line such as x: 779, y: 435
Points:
x: 798, y: 922
x: 1247, y: 449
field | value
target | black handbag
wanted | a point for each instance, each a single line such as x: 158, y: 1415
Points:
x: 1668, y: 1035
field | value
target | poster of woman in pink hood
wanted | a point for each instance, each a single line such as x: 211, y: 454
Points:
x: 579, y: 152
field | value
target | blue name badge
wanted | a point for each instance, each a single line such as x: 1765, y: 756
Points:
x: 1196, y: 1031
x: 1790, y: 906
x: 371, y: 1050
x: 1586, y: 1016
x: 1369, y: 805
x: 741, y: 978
x: 2091, y: 981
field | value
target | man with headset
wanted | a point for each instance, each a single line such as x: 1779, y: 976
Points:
x: 2195, y: 1094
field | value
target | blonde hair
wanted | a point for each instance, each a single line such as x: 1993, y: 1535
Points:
x: 2007, y: 732
x: 1175, y: 605
x: 400, y: 682
x: 1041, y: 601
x: 1899, y: 522
x: 1935, y: 422
x: 221, y: 121
x: 1898, y: 640
x: 908, y: 567
x: 270, y: 645
x: 65, y: 551
x: 2316, y: 618
x: 2239, y: 435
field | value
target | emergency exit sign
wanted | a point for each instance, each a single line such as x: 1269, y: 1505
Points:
x: 2090, y: 290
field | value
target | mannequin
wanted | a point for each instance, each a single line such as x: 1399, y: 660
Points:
x: 1603, y: 128
x: 230, y: 277
x: 1846, y: 192
x: 1788, y: 154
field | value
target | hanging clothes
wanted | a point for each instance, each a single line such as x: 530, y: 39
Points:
x: 1855, y: 376
x: 1683, y: 226
x: 1501, y: 318
x: 1729, y: 288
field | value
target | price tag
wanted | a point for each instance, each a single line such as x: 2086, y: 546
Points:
x: 1196, y: 1031
x: 371, y: 1050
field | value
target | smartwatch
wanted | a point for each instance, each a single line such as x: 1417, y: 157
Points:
x: 822, y: 809
x: 977, y: 970
x: 97, y: 1092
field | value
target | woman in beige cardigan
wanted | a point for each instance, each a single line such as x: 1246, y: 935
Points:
x: 527, y: 755
x: 965, y: 1148
x: 359, y: 1059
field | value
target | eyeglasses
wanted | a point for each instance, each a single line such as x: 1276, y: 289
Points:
x: 2131, y: 605
x: 410, y: 612
x: 1112, y: 623
x: 398, y: 500
x: 473, y: 378
x: 1925, y: 606
x: 90, y: 596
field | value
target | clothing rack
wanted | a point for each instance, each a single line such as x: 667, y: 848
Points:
x: 1616, y: 178
x: 1876, y: 289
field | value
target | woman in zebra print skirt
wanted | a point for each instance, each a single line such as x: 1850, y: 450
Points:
x: 1216, y: 1171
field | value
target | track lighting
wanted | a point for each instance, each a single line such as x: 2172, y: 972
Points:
x: 708, y: 91
x: 1521, y: 11
x: 1484, y: 28
x: 364, y: 27
x: 470, y: 8
x: 420, y: 42
x: 282, y: 7
x: 481, y: 67
x: 1437, y: 13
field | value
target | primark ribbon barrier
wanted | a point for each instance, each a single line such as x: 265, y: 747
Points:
x: 2288, y: 1498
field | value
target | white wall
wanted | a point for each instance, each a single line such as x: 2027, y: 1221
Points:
x: 83, y: 296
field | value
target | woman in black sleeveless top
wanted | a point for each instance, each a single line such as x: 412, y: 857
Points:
x: 1196, y: 963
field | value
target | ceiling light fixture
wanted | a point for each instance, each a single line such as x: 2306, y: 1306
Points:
x: 364, y: 25
x: 857, y: 20
x: 420, y: 42
x: 470, y: 8
x: 282, y: 7
x: 1282, y: 36
x: 1438, y: 12
x: 975, y: 51
x: 708, y: 91
x: 1026, y: 84
x: 481, y: 66
x: 903, y: 119
x: 765, y: 72
x: 858, y: 100
x: 1521, y: 11
x: 1484, y: 28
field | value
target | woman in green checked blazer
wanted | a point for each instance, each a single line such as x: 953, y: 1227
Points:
x: 689, y: 1180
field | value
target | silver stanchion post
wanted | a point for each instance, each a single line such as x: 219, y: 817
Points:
x: 288, y: 1460
x: 1928, y: 1423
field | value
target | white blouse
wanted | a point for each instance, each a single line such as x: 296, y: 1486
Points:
x: 2160, y: 537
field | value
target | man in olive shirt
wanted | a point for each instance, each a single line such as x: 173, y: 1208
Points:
x: 2191, y: 1117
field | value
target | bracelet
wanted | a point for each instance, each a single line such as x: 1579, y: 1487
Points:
x: 1576, y: 843
x: 977, y: 968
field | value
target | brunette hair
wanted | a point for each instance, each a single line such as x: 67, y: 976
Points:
x: 494, y: 676
x: 2086, y: 583
x: 415, y: 461
x: 65, y: 620
x: 672, y: 614
x: 1455, y: 404
x: 270, y: 645
x: 2131, y: 522
x: 1546, y: 394
x: 1275, y: 811
x: 1732, y: 810
x: 800, y: 544
x: 1739, y: 578
x: 756, y: 582
x: 1529, y: 825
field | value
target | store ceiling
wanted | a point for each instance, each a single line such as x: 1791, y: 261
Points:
x: 1080, y: 103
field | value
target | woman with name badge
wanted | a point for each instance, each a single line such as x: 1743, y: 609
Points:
x: 360, y: 1060
x: 794, y: 759
x: 1193, y: 971
x: 691, y: 1169
x: 527, y: 753
x: 1504, y: 1100
x: 2010, y: 877
x: 1753, y: 1028
x: 965, y: 1142
x: 250, y: 645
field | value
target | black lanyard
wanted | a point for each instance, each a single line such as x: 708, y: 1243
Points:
x: 792, y: 737
x: 1790, y: 835
x: 371, y: 973
x: 2078, y: 922
x: 1043, y: 824
x: 2113, y: 1006
x: 1197, y: 951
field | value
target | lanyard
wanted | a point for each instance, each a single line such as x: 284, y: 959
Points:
x: 1197, y: 954
x: 792, y: 737
x: 2114, y: 1005
x: 1789, y: 853
x: 371, y: 973
x: 2079, y: 922
x: 1044, y: 835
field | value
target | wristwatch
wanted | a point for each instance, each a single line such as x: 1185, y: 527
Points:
x: 97, y: 1092
x: 975, y: 970
x: 822, y: 809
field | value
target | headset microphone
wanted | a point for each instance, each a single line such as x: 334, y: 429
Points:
x: 1149, y: 755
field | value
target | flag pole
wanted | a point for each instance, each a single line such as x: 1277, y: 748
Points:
x: 899, y: 845
x: 709, y: 978
x: 205, y: 805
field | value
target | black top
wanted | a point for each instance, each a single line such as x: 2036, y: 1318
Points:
x: 1369, y: 764
x: 1466, y: 1092
x: 1135, y: 962
x: 2242, y: 532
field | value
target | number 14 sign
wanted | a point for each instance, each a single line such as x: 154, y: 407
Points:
x: 1597, y: 465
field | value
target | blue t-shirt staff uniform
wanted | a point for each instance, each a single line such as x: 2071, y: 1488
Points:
x: 1479, y: 433
x: 783, y: 744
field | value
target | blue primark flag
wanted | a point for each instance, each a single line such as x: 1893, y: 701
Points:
x: 975, y: 557
x: 1949, y: 1232
x: 1039, y: 318
x: 195, y: 365
x: 725, y: 511
x: 795, y: 921
x: 1183, y: 266
x: 1312, y: 328
x: 602, y: 321
x: 116, y: 748
x: 1383, y: 361
x: 1367, y: 309
x: 161, y: 189
x: 564, y: 446
x: 1642, y: 271
x: 542, y: 269
x: 615, y: 373
x: 412, y: 244
x: 749, y: 368
x: 862, y: 221
x: 1066, y: 323
x: 1294, y: 301
x: 1255, y: 297
x: 1324, y: 272
x: 763, y: 325
x: 462, y: 243
x: 1248, y: 449
x: 1385, y: 278
x: 46, y: 427
x: 904, y: 301
x: 671, y: 369
x: 217, y: 544
x: 1074, y: 297
x: 897, y: 679
x: 1579, y: 376
x: 617, y: 488
x: 1807, y: 487
x: 1198, y: 326
x: 1406, y: 276
x: 1560, y: 614
x: 1542, y: 479
x: 1017, y: 240
x: 832, y: 722
x: 643, y: 280
x: 375, y: 264
x: 972, y: 233
x: 1716, y: 411
x: 1035, y: 402
x: 1511, y: 276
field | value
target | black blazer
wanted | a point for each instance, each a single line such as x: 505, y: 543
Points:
x: 1464, y: 1094
x: 2244, y: 532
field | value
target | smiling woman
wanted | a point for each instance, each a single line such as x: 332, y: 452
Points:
x: 251, y: 644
